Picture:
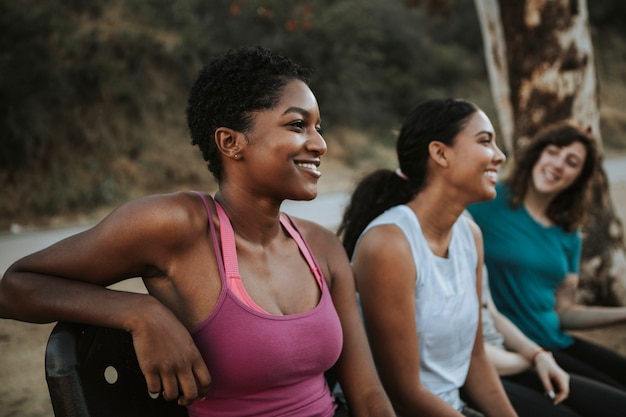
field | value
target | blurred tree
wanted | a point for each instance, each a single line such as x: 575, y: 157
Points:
x: 541, y: 68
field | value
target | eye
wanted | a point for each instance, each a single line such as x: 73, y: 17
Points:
x: 552, y: 150
x: 298, y: 124
x: 574, y: 163
x: 319, y: 130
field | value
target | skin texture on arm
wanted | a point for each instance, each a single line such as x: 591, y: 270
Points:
x: 506, y: 362
x: 128, y: 243
x: 355, y: 368
x: 385, y: 275
x: 483, y: 384
x: 575, y: 316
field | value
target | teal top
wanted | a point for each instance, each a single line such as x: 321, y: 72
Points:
x: 526, y: 262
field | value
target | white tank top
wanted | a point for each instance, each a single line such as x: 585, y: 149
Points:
x: 446, y: 303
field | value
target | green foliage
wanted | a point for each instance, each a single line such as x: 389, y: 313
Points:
x: 89, y: 88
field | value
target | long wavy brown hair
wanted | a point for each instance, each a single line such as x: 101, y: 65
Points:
x: 571, y: 206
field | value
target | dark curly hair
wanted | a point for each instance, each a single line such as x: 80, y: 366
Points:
x: 569, y: 209
x: 230, y: 88
x: 434, y: 120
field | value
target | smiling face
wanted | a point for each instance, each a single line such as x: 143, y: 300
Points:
x: 284, y: 146
x: 476, y: 159
x: 557, y: 168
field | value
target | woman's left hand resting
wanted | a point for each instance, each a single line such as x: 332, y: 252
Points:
x: 168, y: 357
x: 552, y: 376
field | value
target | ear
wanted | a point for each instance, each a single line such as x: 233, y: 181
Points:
x: 438, y: 153
x: 229, y: 142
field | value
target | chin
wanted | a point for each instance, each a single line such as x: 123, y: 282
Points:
x: 307, y: 196
x: 490, y: 195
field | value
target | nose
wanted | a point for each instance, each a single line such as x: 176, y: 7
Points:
x: 560, y: 162
x: 499, y: 156
x: 316, y: 144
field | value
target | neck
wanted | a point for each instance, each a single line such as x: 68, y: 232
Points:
x: 537, y: 206
x: 437, y: 213
x: 253, y: 219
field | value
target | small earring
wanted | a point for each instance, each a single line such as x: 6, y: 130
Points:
x: 236, y: 156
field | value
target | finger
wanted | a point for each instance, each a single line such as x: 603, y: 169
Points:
x: 563, y: 393
x: 559, y: 397
x: 170, y: 386
x: 203, y: 378
x: 188, y: 388
x: 153, y: 383
x: 196, y: 387
x: 546, y: 382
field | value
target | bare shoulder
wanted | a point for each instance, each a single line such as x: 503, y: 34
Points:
x: 167, y: 217
x: 327, y: 249
x: 386, y: 241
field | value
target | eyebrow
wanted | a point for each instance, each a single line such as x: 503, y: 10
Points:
x: 484, y: 132
x: 301, y: 111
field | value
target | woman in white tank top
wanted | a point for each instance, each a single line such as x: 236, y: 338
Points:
x: 418, y: 263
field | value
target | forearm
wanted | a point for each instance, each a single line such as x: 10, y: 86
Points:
x: 514, y: 339
x: 484, y: 387
x: 42, y: 299
x: 505, y: 362
x: 423, y: 403
x: 585, y: 317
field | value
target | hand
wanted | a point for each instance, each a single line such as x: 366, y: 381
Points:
x: 169, y: 359
x: 549, y: 371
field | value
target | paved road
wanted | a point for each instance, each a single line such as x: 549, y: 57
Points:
x: 326, y: 210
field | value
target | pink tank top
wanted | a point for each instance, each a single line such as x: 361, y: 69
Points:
x: 261, y: 364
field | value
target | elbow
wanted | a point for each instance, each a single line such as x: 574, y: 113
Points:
x: 8, y: 291
x: 14, y: 293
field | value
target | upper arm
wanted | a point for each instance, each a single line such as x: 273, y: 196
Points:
x: 386, y: 276
x: 134, y: 240
x: 478, y: 240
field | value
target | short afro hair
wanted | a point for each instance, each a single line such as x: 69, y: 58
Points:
x: 230, y: 88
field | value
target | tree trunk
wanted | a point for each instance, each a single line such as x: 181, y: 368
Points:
x: 541, y: 68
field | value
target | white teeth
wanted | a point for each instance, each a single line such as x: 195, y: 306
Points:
x: 491, y: 174
x: 549, y: 175
x: 307, y: 165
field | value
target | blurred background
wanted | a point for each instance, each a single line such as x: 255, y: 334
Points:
x: 93, y: 93
x: 93, y: 96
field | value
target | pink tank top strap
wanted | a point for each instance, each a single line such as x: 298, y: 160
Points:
x: 296, y: 235
x: 231, y: 266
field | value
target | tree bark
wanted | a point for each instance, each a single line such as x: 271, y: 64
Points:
x: 541, y: 67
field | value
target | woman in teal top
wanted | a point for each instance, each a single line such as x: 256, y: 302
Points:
x: 533, y: 244
x: 528, y: 262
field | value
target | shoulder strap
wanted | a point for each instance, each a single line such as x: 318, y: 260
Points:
x: 296, y: 235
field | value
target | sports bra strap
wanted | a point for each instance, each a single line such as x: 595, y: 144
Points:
x: 229, y: 248
x: 228, y: 264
